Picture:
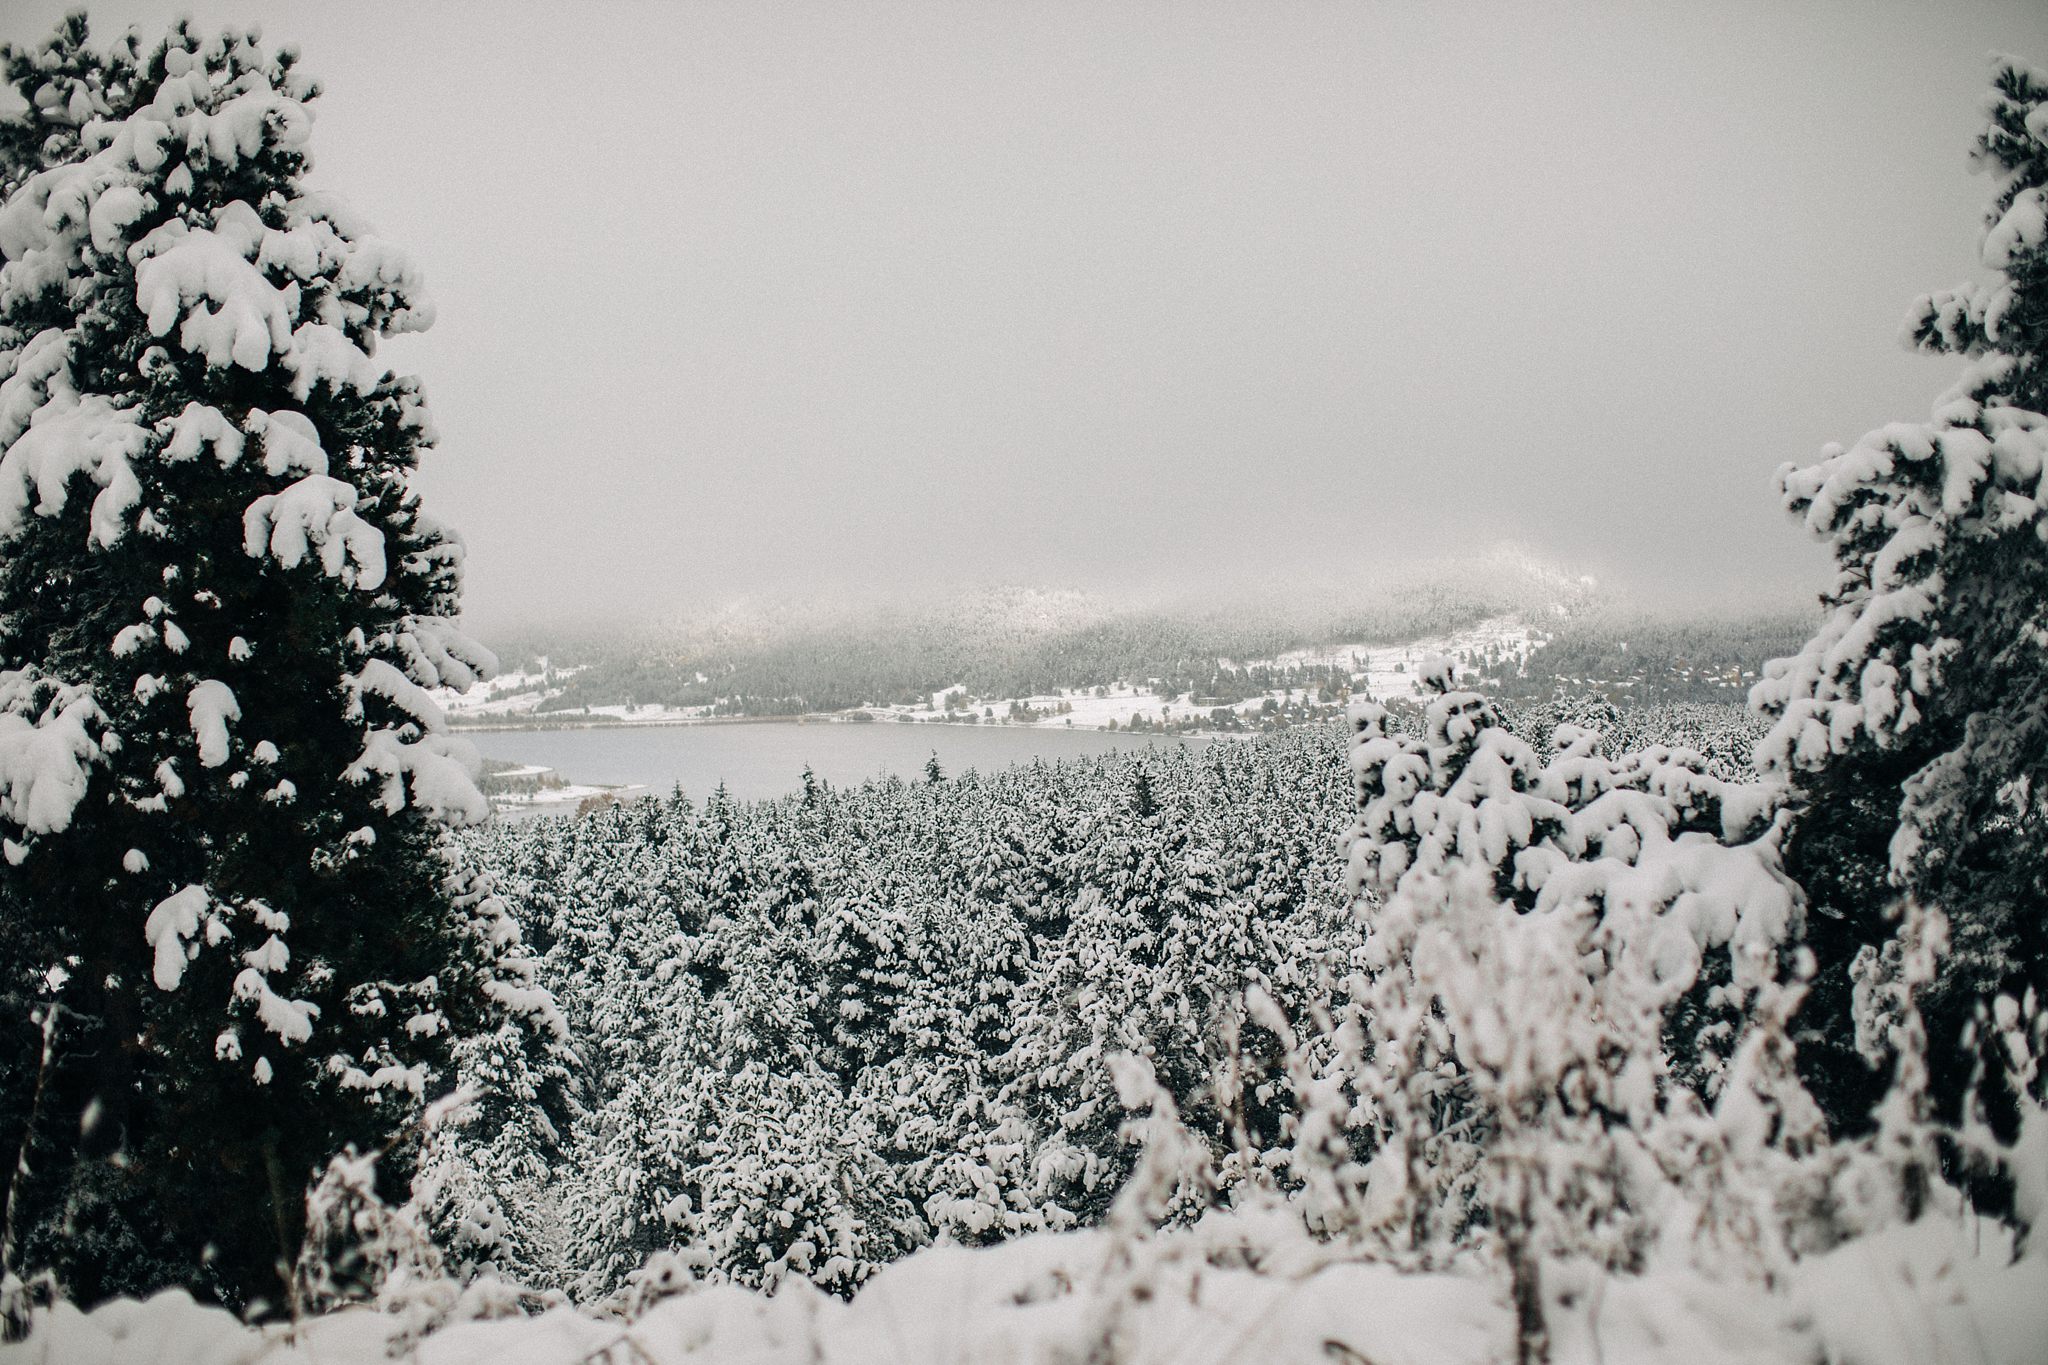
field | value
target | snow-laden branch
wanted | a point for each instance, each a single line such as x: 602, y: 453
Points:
x: 58, y: 435
x: 316, y: 516
x: 435, y: 772
x: 46, y: 751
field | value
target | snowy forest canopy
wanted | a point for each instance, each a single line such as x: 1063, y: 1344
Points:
x: 1513, y: 1009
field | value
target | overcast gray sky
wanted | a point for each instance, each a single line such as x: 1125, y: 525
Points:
x: 864, y: 295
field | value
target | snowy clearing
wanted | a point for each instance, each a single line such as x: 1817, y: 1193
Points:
x: 1391, y: 672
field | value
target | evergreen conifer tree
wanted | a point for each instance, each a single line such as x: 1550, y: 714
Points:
x: 224, y: 789
x: 1913, y: 727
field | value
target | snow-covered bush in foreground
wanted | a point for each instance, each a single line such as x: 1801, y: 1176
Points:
x: 1566, y: 1042
x: 228, y: 890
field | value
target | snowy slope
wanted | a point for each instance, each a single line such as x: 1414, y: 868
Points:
x: 1390, y: 672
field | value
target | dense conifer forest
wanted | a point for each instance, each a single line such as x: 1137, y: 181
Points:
x: 829, y: 1029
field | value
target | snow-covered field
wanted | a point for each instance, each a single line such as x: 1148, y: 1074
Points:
x: 555, y: 800
x: 511, y: 696
x: 1389, y: 672
x: 534, y: 789
x: 1385, y: 672
x: 1916, y: 1294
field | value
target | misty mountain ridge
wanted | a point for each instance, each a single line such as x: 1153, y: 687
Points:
x: 1348, y: 600
x: 1010, y: 648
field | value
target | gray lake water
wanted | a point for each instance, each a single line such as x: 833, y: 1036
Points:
x: 767, y: 759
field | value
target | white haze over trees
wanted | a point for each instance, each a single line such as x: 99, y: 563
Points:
x: 860, y: 299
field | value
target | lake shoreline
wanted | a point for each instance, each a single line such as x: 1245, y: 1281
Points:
x: 822, y: 718
x: 658, y: 723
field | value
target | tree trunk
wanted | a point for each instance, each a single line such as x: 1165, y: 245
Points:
x: 1525, y: 1282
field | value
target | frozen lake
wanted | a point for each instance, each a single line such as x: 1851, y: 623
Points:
x: 766, y: 759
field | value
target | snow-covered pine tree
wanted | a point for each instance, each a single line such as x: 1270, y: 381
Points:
x: 1913, y: 727
x: 224, y: 789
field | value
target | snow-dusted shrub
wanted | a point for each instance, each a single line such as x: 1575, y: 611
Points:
x: 1566, y: 1037
x: 224, y: 790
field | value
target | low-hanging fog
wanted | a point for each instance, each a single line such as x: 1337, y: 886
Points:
x: 819, y: 299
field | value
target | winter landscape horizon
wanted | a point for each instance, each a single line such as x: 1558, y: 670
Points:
x: 1080, y: 683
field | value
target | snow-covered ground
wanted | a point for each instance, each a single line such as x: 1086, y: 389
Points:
x: 1389, y: 672
x: 514, y: 697
x: 1931, y: 1291
x: 1120, y: 705
x: 535, y: 789
x: 555, y: 800
x: 510, y: 694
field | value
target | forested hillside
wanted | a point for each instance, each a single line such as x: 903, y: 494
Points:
x: 1205, y: 665
x: 788, y: 659
x: 1632, y: 656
